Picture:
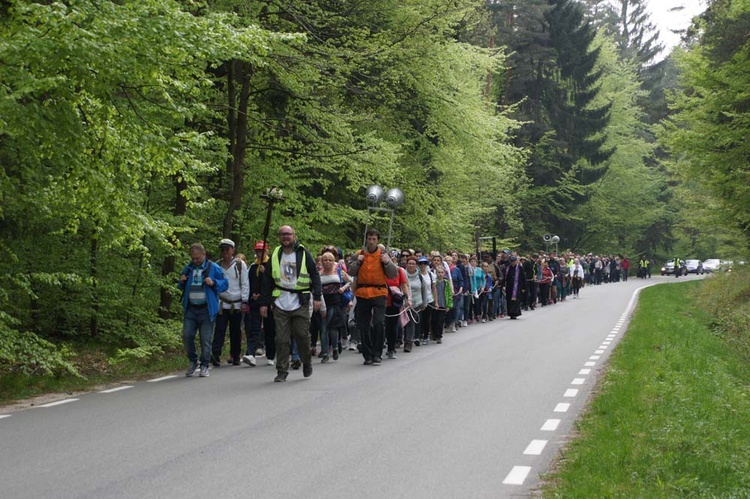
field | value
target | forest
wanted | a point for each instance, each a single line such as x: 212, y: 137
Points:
x: 131, y: 129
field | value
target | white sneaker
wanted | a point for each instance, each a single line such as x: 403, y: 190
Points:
x: 352, y: 346
x: 260, y: 352
x: 270, y: 362
x: 453, y: 327
x: 204, y: 372
x: 464, y: 324
x: 249, y: 360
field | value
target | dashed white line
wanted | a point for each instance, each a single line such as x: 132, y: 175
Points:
x: 3, y: 416
x: 584, y: 372
x: 606, y: 343
x: 119, y: 388
x: 599, y: 351
x: 517, y: 475
x: 551, y: 425
x: 164, y: 378
x: 594, y: 357
x: 603, y: 346
x: 535, y: 448
x: 59, y: 402
x: 578, y: 381
x: 570, y: 392
x: 590, y: 364
x: 562, y: 407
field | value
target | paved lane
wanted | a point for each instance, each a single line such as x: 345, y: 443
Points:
x: 482, y: 415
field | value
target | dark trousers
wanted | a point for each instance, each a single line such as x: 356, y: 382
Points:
x: 425, y: 322
x: 544, y: 293
x: 438, y: 323
x: 293, y: 325
x: 391, y: 327
x: 370, y: 317
x: 253, y: 329
x: 233, y: 319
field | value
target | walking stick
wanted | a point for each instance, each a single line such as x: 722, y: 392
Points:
x: 272, y: 195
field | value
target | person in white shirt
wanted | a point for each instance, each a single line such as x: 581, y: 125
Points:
x: 233, y: 303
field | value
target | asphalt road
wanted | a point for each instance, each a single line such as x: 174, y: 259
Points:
x: 482, y: 415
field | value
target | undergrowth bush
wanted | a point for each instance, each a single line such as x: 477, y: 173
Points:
x: 23, y: 352
x: 726, y: 296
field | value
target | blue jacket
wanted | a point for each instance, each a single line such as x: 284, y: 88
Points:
x: 458, y: 279
x: 221, y: 283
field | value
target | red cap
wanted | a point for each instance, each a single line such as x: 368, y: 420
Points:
x: 260, y: 245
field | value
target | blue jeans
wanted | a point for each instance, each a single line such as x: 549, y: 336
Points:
x: 496, y: 302
x: 197, y: 319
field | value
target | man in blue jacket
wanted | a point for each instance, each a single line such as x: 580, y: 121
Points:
x: 201, y: 282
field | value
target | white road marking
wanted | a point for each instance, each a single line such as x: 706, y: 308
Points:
x: 119, y: 388
x: 535, y: 448
x: 551, y: 425
x: 562, y: 407
x: 570, y: 392
x: 594, y: 357
x: 3, y: 416
x: 603, y: 346
x: 164, y: 378
x: 599, y: 351
x: 584, y: 372
x: 517, y: 475
x: 590, y: 364
x: 59, y: 402
x: 578, y: 381
x: 606, y: 342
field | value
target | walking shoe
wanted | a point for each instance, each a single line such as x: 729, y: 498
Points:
x: 307, y: 370
x: 453, y: 328
x: 270, y: 362
x: 417, y: 342
x: 235, y: 362
x: 484, y: 320
x: 391, y: 355
x: 230, y: 361
x: 368, y: 362
x: 249, y: 360
x: 204, y: 372
x: 352, y: 346
x: 321, y: 354
x: 335, y: 354
x: 313, y: 352
x: 465, y: 324
x: 324, y: 360
x: 407, y: 347
x: 376, y: 361
x: 425, y: 342
x: 280, y: 377
x: 259, y: 352
x: 296, y: 364
x: 215, y: 360
x: 399, y: 344
x: 191, y: 368
x: 439, y: 341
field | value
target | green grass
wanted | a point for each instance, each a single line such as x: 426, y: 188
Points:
x: 671, y: 418
x: 91, y: 360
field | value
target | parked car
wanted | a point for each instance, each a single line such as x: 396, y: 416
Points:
x: 694, y: 267
x: 668, y: 269
x: 712, y: 265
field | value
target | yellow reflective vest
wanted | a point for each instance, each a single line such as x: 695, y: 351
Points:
x: 303, y: 277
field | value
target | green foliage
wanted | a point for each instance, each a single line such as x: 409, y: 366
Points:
x: 28, y: 354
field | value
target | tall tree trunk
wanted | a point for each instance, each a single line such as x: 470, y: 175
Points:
x: 167, y: 266
x: 238, y: 140
x: 93, y: 273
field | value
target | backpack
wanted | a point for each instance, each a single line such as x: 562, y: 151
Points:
x: 347, y: 296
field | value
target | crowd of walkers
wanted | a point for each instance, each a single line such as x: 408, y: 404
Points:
x: 295, y: 305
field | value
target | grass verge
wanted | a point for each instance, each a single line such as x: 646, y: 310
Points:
x: 671, y: 416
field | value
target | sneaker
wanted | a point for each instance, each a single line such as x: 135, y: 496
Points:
x: 215, y: 360
x: 439, y: 341
x: 307, y: 370
x: 352, y: 346
x: 280, y: 377
x: 249, y: 360
x: 399, y: 344
x: 453, y: 328
x: 417, y: 342
x: 235, y: 362
x: 270, y: 362
x: 230, y: 361
x: 204, y: 372
x: 391, y: 355
x: 368, y: 362
x: 321, y: 354
x: 191, y: 368
x: 324, y: 360
x: 335, y: 354
x: 425, y: 342
x: 296, y: 364
x: 314, y: 352
x: 260, y: 352
x: 376, y: 361
x: 484, y: 320
x: 407, y: 347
